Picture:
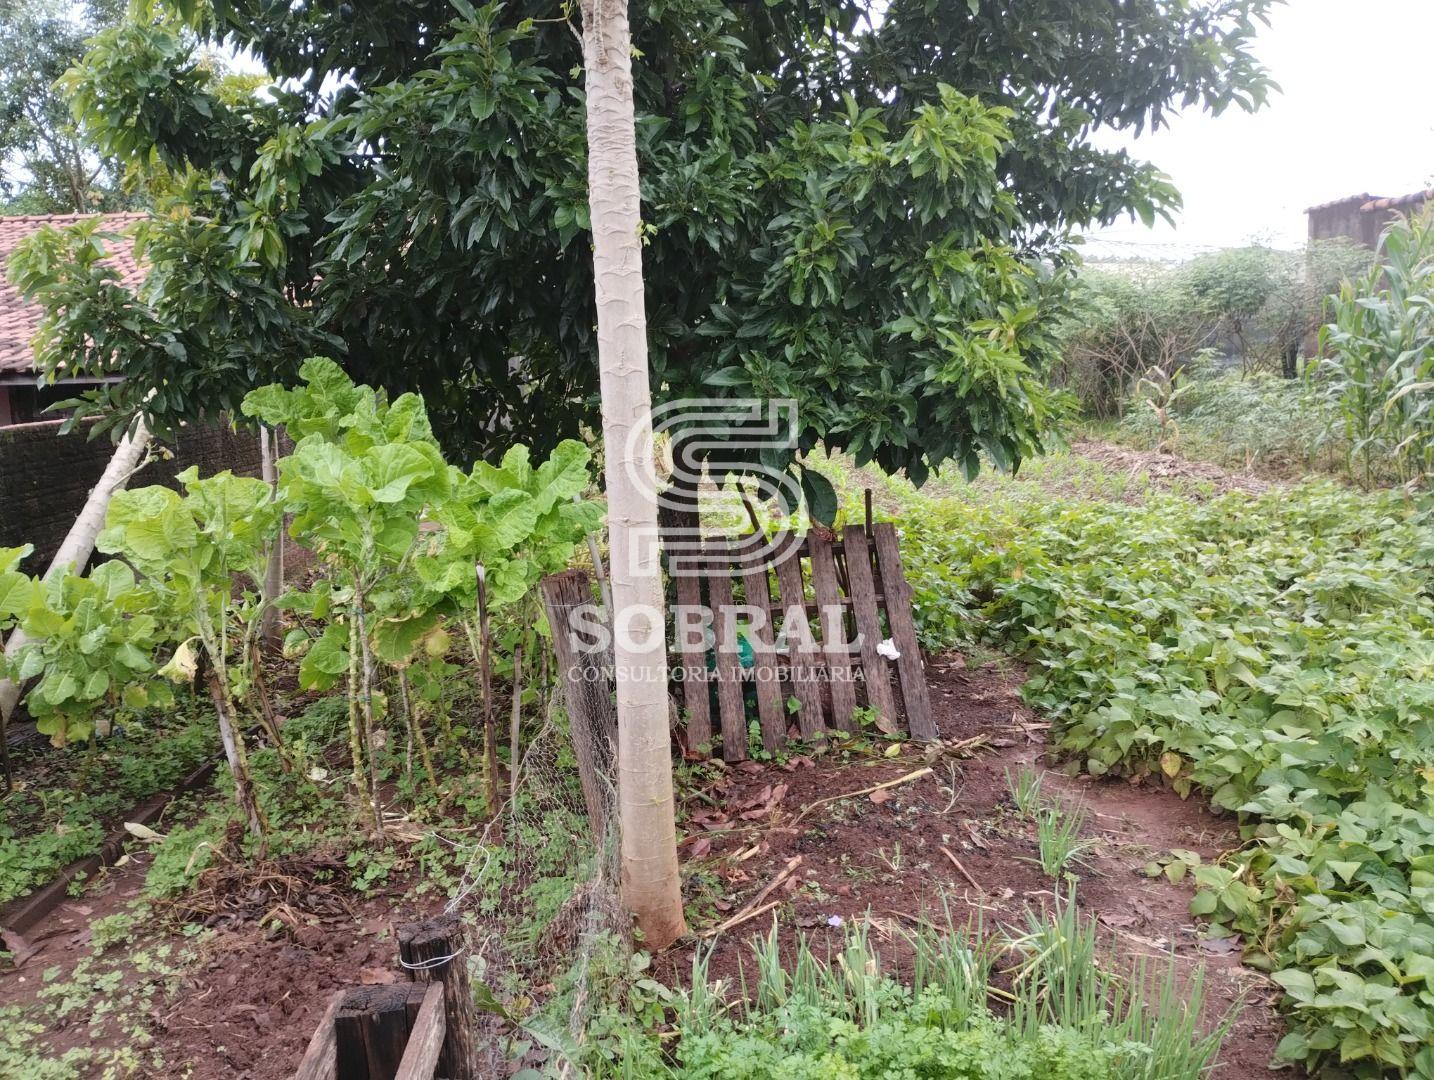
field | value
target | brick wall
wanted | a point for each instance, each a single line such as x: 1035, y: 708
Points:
x: 45, y: 477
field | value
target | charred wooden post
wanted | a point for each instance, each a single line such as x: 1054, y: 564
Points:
x: 432, y: 952
x: 371, y: 1032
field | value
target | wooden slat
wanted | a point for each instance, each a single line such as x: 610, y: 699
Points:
x: 425, y: 1041
x: 729, y: 662
x: 868, y: 625
x: 833, y: 623
x: 770, y: 708
x: 319, y: 1061
x: 903, y: 632
x: 694, y: 675
x: 802, y: 659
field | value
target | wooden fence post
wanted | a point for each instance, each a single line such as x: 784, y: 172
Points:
x: 587, y: 686
x: 432, y: 951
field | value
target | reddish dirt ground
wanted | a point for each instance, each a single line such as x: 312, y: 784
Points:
x: 249, y: 1003
x: 251, y: 996
x: 883, y: 859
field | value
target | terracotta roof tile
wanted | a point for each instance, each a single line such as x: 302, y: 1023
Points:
x: 1362, y: 197
x: 19, y: 319
x: 1418, y: 198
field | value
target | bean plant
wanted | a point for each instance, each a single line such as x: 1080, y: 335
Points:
x: 1275, y: 655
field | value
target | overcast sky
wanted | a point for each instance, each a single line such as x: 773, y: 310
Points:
x: 1354, y: 115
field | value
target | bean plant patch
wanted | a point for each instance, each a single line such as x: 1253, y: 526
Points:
x: 1274, y: 655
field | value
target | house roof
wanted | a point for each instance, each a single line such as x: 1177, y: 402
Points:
x: 19, y: 318
x: 1362, y: 197
x: 1369, y: 203
x: 1418, y: 198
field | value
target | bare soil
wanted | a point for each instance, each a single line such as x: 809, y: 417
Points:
x: 255, y: 987
x: 884, y: 856
x: 1166, y: 470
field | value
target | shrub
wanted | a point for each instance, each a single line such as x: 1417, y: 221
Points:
x: 1122, y: 325
x: 1239, y: 421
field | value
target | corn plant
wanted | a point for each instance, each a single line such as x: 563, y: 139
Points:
x: 1379, y: 371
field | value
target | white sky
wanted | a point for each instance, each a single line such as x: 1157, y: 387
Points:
x: 1354, y: 114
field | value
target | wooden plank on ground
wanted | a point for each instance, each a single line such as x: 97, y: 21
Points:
x: 801, y: 658
x: 729, y: 661
x: 868, y: 624
x: 833, y: 623
x: 897, y: 593
x: 319, y: 1061
x: 770, y: 707
x: 425, y: 1040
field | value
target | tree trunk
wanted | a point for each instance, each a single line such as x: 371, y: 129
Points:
x: 650, y: 884
x: 238, y: 759
x: 79, y: 542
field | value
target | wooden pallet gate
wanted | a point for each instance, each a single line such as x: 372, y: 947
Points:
x: 848, y: 583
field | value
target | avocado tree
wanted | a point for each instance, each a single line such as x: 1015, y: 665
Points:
x: 860, y: 206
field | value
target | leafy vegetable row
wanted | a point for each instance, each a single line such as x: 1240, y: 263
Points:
x: 409, y: 546
x: 1275, y: 653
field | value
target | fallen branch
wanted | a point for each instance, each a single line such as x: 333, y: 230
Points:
x: 737, y: 920
x: 753, y: 907
x: 964, y: 873
x: 917, y: 775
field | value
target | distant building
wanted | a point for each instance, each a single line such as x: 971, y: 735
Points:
x: 22, y: 399
x: 1361, y: 218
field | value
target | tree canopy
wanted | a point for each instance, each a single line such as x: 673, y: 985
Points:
x: 864, y: 207
x: 46, y: 166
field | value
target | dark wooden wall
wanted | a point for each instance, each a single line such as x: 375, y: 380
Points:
x: 45, y: 477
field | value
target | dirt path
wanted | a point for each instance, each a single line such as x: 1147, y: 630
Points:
x: 1167, y: 470
x: 884, y: 857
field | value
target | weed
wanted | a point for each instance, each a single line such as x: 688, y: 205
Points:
x: 1059, y: 841
x: 1025, y: 788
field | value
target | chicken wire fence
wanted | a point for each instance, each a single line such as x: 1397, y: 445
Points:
x: 539, y: 899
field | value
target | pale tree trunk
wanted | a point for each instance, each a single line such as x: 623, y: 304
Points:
x: 651, y: 887
x: 79, y: 542
x: 274, y: 566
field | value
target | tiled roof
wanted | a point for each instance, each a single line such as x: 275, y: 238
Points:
x: 1362, y: 197
x: 1418, y: 198
x: 19, y: 319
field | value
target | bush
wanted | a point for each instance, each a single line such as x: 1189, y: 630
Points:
x: 1237, y: 421
x: 1261, y: 304
x: 1121, y: 326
